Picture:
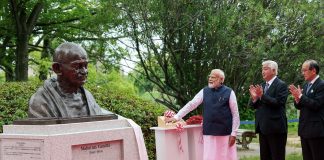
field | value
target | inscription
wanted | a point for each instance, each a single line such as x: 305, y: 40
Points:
x: 95, y: 146
x: 18, y: 149
x: 102, y: 150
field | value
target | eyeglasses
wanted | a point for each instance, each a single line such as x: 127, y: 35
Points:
x: 211, y: 77
x: 305, y: 70
x: 76, y: 66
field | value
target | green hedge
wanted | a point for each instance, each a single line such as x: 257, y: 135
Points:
x: 14, y: 98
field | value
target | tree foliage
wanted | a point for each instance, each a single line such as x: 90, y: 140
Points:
x: 40, y: 25
x: 178, y: 42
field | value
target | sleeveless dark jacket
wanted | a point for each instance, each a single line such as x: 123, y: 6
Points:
x: 217, y: 114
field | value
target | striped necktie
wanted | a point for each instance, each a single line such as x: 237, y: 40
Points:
x: 266, y: 88
x: 309, y: 85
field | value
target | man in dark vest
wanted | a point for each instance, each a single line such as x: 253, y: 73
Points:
x: 220, y: 117
x: 310, y: 102
x: 269, y: 101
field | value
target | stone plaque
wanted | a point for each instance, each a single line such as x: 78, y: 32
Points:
x: 20, y: 149
x: 110, y: 150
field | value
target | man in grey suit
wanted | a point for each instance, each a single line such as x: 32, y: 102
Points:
x: 310, y: 102
x: 269, y: 100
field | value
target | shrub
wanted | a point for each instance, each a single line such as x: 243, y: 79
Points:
x: 14, y: 98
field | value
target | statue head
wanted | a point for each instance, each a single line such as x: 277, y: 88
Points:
x: 70, y: 63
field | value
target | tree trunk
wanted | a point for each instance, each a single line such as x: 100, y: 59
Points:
x: 9, y: 74
x: 24, y: 25
x: 21, y: 69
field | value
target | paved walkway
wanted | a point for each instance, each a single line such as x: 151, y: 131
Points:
x: 293, y: 146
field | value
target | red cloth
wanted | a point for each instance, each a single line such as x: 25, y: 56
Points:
x: 197, y: 119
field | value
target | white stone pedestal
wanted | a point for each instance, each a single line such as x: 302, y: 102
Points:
x: 167, y: 143
x: 99, y: 140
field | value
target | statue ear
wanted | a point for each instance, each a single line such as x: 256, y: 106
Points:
x: 57, y: 68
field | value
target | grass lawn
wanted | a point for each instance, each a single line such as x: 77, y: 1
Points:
x: 293, y: 129
x: 293, y: 156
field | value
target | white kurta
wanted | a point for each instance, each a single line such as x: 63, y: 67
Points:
x: 216, y: 147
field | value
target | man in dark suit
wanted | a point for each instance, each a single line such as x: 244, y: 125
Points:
x: 310, y: 102
x: 269, y: 100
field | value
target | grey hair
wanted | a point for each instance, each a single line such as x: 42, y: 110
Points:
x: 312, y: 65
x: 67, y: 48
x: 271, y: 64
x: 219, y: 72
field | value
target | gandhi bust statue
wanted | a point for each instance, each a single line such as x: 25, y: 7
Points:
x: 64, y: 96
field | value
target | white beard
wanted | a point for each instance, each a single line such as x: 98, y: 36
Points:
x: 211, y: 85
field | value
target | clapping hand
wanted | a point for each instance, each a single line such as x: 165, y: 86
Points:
x: 295, y: 92
x: 256, y: 92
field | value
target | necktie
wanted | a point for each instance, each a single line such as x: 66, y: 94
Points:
x: 266, y: 88
x: 309, y: 85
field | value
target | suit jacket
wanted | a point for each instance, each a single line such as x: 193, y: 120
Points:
x: 311, y: 106
x: 270, y: 115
